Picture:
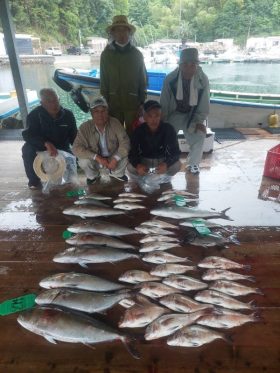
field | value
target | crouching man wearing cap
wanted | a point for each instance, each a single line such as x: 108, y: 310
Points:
x: 154, y: 145
x: 185, y: 101
x: 102, y: 142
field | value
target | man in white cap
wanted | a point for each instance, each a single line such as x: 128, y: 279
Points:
x: 102, y: 142
x: 185, y: 99
x: 123, y: 77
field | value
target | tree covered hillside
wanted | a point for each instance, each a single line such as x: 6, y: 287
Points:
x: 203, y: 20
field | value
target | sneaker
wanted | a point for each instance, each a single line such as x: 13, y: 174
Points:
x: 91, y: 181
x: 194, y: 169
x: 120, y: 178
x: 34, y: 186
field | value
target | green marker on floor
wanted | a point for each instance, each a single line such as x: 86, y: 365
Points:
x: 17, y: 304
x: 66, y: 234
x: 200, y: 226
x: 76, y: 193
x: 179, y: 200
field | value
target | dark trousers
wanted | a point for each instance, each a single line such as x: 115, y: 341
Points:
x: 29, y: 153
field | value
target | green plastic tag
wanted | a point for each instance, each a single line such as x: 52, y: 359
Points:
x: 76, y: 193
x: 66, y: 234
x: 17, y: 304
x: 179, y: 200
x: 200, y: 226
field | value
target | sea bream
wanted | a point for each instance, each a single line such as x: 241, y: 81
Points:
x: 127, y: 200
x: 182, y: 303
x: 194, y: 336
x: 135, y: 276
x: 176, y: 212
x: 132, y: 195
x: 159, y: 223
x: 158, y: 238
x: 185, y: 283
x: 223, y: 274
x: 227, y: 319
x: 217, y: 262
x: 90, y: 201
x: 92, y: 239
x: 156, y: 289
x: 81, y: 300
x: 169, y: 197
x: 222, y: 300
x: 207, y: 223
x: 169, y: 324
x: 153, y: 230
x: 212, y: 239
x: 179, y: 192
x: 233, y: 288
x: 157, y: 246
x: 129, y: 206
x: 96, y: 254
x: 161, y: 257
x: 96, y: 196
x: 101, y: 227
x: 91, y: 211
x: 76, y: 280
x: 60, y: 325
x: 164, y: 270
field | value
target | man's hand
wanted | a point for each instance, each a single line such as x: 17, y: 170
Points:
x: 112, y: 164
x: 141, y: 169
x: 161, y: 168
x: 200, y: 127
x: 103, y: 161
x: 51, y: 149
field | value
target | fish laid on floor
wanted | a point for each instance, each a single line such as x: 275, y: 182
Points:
x: 96, y: 196
x: 164, y: 270
x: 153, y: 230
x: 194, y: 336
x: 233, y: 288
x: 96, y: 254
x: 179, y: 192
x: 90, y: 201
x: 137, y: 299
x: 90, y: 211
x: 92, y: 239
x: 227, y: 319
x: 101, y: 227
x: 157, y: 246
x: 207, y: 223
x: 223, y: 274
x: 222, y: 300
x: 158, y: 238
x: 182, y: 303
x: 161, y: 257
x: 184, y: 283
x: 169, y: 324
x: 176, y: 212
x: 61, y: 325
x: 135, y: 276
x: 82, y: 281
x: 81, y: 300
x: 156, y: 289
x: 132, y: 195
x: 217, y: 262
x: 159, y: 223
x: 129, y: 206
x: 127, y: 200
x: 170, y: 197
x: 211, y: 240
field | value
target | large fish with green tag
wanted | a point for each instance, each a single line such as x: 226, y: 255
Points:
x: 176, y: 212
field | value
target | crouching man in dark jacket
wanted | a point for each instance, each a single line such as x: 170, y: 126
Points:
x: 154, y: 145
x: 49, y: 127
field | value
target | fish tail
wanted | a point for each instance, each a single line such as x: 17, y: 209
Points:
x: 259, y: 291
x: 227, y: 338
x: 247, y: 267
x: 224, y: 215
x: 251, y: 278
x: 252, y: 304
x: 234, y: 239
x: 129, y: 344
x: 256, y: 317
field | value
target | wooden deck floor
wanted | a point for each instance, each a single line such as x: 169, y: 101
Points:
x: 31, y: 226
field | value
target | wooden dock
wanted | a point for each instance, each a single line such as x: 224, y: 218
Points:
x: 31, y: 227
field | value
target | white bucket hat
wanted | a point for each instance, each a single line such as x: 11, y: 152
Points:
x: 49, y: 168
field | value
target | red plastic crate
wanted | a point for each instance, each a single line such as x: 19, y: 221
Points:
x: 272, y: 163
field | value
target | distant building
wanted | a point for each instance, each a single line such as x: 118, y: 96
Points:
x: 266, y: 43
x: 226, y: 43
x: 96, y: 43
x: 23, y: 43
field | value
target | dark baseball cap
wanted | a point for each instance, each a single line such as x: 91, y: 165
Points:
x: 151, y: 104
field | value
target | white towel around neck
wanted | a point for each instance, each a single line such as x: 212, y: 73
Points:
x: 193, y: 91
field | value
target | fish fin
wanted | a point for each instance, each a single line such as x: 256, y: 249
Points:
x: 251, y: 278
x: 247, y: 267
x: 129, y: 344
x: 252, y: 304
x: 84, y: 265
x: 234, y: 239
x: 90, y: 346
x: 50, y: 339
x: 224, y: 215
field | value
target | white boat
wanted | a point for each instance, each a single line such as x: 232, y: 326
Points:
x: 9, y: 103
x: 227, y: 109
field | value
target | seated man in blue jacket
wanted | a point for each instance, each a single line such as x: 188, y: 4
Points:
x: 154, y: 145
x: 49, y: 127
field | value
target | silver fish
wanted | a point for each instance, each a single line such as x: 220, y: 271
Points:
x: 179, y: 192
x: 101, y: 227
x: 129, y: 302
x: 153, y: 230
x: 90, y: 211
x: 223, y: 274
x: 233, y: 288
x: 81, y: 300
x: 132, y: 195
x: 60, y: 325
x: 169, y: 324
x: 207, y: 223
x: 213, y: 240
x: 90, y: 201
x: 220, y: 263
x: 79, y: 281
x: 96, y: 254
x: 159, y: 223
x: 96, y: 196
x: 176, y: 212
x: 157, y: 246
x: 91, y: 239
x: 136, y: 276
x: 156, y: 289
x: 184, y: 283
x: 182, y: 303
x: 128, y: 206
x: 158, y: 238
x: 194, y: 336
x: 161, y: 257
x: 124, y: 200
x: 169, y: 197
x: 222, y: 300
x: 164, y: 270
x: 227, y: 319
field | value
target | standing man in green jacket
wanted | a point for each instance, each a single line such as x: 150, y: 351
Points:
x: 123, y: 77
